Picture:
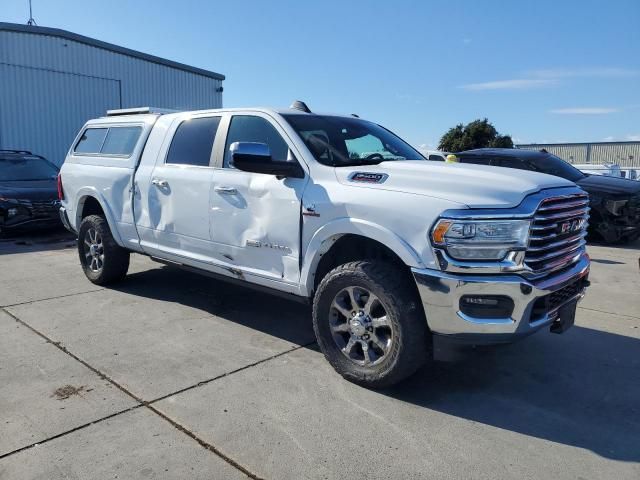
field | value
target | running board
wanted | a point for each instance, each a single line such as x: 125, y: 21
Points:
x: 236, y: 281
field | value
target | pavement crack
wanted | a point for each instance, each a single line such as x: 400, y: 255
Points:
x: 143, y: 403
x: 67, y: 432
x: 50, y: 298
x: 608, y: 313
x: 64, y: 349
x: 226, y: 374
x: 204, y: 444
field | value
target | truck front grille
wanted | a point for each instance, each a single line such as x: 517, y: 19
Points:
x: 558, y: 231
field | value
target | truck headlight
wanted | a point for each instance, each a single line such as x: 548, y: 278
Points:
x: 480, y: 239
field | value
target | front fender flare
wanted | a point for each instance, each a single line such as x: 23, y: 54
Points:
x: 325, y: 236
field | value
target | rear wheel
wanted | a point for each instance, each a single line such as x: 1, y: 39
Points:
x: 102, y: 259
x: 369, y: 324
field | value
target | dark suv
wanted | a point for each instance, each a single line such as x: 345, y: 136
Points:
x: 28, y: 191
x: 614, y: 201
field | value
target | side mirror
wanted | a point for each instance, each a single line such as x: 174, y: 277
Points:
x: 256, y: 157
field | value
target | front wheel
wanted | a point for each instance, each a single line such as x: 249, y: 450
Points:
x: 102, y: 259
x: 369, y: 324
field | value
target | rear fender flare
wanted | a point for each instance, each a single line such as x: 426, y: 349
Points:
x: 90, y: 192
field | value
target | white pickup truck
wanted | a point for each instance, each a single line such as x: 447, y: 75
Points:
x: 391, y: 249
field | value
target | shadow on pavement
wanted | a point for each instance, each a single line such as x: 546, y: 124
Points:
x: 279, y: 317
x: 36, y: 241
x: 580, y: 389
x: 606, y: 262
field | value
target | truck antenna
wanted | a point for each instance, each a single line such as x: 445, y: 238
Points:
x: 31, y: 21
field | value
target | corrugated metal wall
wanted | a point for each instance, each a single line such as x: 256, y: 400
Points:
x: 625, y: 154
x: 49, y: 86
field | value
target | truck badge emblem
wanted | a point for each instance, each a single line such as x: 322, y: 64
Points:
x: 572, y: 225
x: 368, y: 177
x: 272, y: 246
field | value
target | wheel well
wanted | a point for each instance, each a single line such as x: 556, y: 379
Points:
x: 350, y: 248
x: 90, y: 206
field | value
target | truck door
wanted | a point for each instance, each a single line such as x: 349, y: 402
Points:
x: 255, y: 218
x: 179, y: 189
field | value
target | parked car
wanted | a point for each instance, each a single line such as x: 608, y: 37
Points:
x: 389, y: 248
x: 614, y: 201
x: 606, y: 169
x: 28, y: 192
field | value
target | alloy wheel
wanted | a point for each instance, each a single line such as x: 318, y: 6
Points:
x: 93, y: 250
x: 360, y: 327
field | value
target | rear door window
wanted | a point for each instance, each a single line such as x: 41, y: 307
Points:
x: 121, y: 140
x: 193, y: 141
x: 91, y: 140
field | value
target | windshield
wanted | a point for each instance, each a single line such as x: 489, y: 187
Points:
x: 553, y: 165
x: 343, y: 141
x: 26, y: 168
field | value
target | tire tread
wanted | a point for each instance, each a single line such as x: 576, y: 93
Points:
x: 117, y: 258
x: 414, y: 349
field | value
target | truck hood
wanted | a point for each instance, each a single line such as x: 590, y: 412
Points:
x: 476, y: 186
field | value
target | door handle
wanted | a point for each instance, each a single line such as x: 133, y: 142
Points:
x: 225, y: 190
x: 160, y: 183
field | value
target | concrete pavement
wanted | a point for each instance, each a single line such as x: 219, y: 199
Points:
x: 172, y: 375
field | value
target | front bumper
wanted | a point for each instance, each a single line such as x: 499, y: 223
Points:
x: 27, y: 220
x: 534, y: 305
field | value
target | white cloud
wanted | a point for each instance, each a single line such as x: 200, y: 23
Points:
x: 610, y: 138
x: 514, y: 84
x: 584, y: 111
x: 610, y: 72
x: 423, y: 147
x: 633, y: 138
x: 552, y: 76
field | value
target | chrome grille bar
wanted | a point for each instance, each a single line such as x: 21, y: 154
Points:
x: 549, y: 246
x: 563, y: 215
x: 554, y: 241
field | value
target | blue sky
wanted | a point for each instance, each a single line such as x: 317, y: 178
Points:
x: 541, y: 71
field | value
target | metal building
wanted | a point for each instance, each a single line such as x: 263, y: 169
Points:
x: 52, y: 81
x: 625, y: 154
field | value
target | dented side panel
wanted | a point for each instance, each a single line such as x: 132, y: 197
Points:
x: 256, y: 227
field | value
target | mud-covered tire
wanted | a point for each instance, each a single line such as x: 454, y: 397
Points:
x: 409, y: 340
x: 106, y: 262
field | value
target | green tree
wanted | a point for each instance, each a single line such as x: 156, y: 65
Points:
x: 477, y: 134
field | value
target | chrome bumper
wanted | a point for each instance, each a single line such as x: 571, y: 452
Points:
x: 440, y: 293
x: 64, y: 218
